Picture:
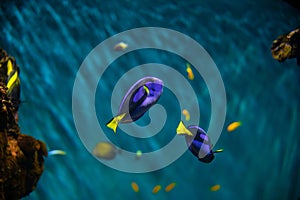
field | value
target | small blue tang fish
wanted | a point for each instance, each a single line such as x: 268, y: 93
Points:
x: 198, y: 142
x: 138, y: 100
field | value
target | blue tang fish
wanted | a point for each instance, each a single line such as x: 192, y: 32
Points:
x: 198, y: 142
x: 138, y: 100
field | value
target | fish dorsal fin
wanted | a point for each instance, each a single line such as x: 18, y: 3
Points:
x: 182, y: 130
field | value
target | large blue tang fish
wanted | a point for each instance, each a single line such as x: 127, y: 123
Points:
x: 198, y: 142
x: 138, y: 100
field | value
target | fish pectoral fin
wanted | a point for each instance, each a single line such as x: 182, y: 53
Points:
x: 182, y: 130
x: 113, y: 123
x: 146, y: 89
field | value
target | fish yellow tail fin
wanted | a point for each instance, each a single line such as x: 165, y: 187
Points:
x: 113, y: 123
x: 182, y: 130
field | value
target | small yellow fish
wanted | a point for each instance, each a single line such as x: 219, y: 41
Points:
x: 170, y: 187
x: 156, y: 189
x: 105, y: 150
x: 233, y: 126
x: 135, y: 187
x: 139, y: 154
x: 186, y: 114
x: 120, y: 46
x: 215, y: 188
x: 57, y: 152
x: 189, y: 71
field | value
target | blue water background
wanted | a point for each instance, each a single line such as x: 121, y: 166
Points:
x: 260, y: 161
